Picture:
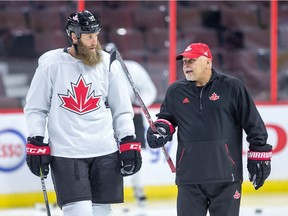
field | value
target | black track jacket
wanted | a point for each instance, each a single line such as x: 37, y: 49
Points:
x: 210, y: 125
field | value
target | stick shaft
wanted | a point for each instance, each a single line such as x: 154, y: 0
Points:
x: 144, y: 108
x: 45, y: 193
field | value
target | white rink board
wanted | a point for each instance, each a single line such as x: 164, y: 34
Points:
x: 15, y: 176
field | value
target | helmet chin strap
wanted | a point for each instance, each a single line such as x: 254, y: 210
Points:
x: 75, y: 47
x: 74, y: 44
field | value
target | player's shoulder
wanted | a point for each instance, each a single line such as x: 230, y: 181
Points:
x: 106, y: 60
x: 105, y: 57
x: 229, y: 79
x: 53, y: 56
x: 179, y: 83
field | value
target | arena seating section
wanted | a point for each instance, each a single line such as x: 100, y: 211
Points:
x: 238, y: 33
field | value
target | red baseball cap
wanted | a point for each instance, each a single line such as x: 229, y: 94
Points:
x: 195, y: 50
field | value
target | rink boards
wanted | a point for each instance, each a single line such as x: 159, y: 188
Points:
x: 18, y: 187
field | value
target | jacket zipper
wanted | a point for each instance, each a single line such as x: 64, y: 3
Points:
x: 201, y: 94
x: 201, y: 105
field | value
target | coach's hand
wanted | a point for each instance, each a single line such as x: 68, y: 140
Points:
x: 164, y: 133
x: 38, y: 155
x: 259, y: 164
x: 130, y: 155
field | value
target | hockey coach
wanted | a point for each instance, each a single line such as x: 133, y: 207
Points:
x: 210, y: 111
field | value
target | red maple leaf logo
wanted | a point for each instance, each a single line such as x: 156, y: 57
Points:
x: 214, y: 97
x: 80, y: 101
x: 237, y: 195
x: 185, y: 100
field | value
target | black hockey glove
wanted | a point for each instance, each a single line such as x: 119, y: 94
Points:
x: 38, y: 155
x: 130, y: 155
x: 259, y: 164
x: 164, y: 133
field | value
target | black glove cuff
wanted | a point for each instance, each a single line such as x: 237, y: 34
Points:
x: 37, y: 140
x: 127, y: 138
x: 260, y: 148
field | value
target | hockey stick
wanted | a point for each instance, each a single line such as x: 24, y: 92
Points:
x: 142, y: 105
x: 45, y: 193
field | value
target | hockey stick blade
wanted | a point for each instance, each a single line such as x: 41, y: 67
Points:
x: 118, y: 57
x: 45, y: 193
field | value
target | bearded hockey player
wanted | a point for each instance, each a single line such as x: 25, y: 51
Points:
x: 69, y: 93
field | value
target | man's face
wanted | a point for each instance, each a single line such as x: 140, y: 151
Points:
x: 192, y: 68
x: 197, y: 69
x: 88, y: 49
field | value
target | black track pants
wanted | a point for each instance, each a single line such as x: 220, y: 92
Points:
x: 220, y: 199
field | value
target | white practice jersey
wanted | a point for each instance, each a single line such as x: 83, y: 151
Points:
x: 143, y: 82
x: 71, y: 98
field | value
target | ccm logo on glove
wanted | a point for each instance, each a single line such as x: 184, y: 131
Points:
x: 130, y: 155
x: 38, y: 156
x: 130, y: 146
x: 37, y: 150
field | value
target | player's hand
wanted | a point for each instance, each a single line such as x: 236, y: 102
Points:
x: 38, y: 155
x: 164, y: 133
x: 259, y: 164
x: 130, y: 155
